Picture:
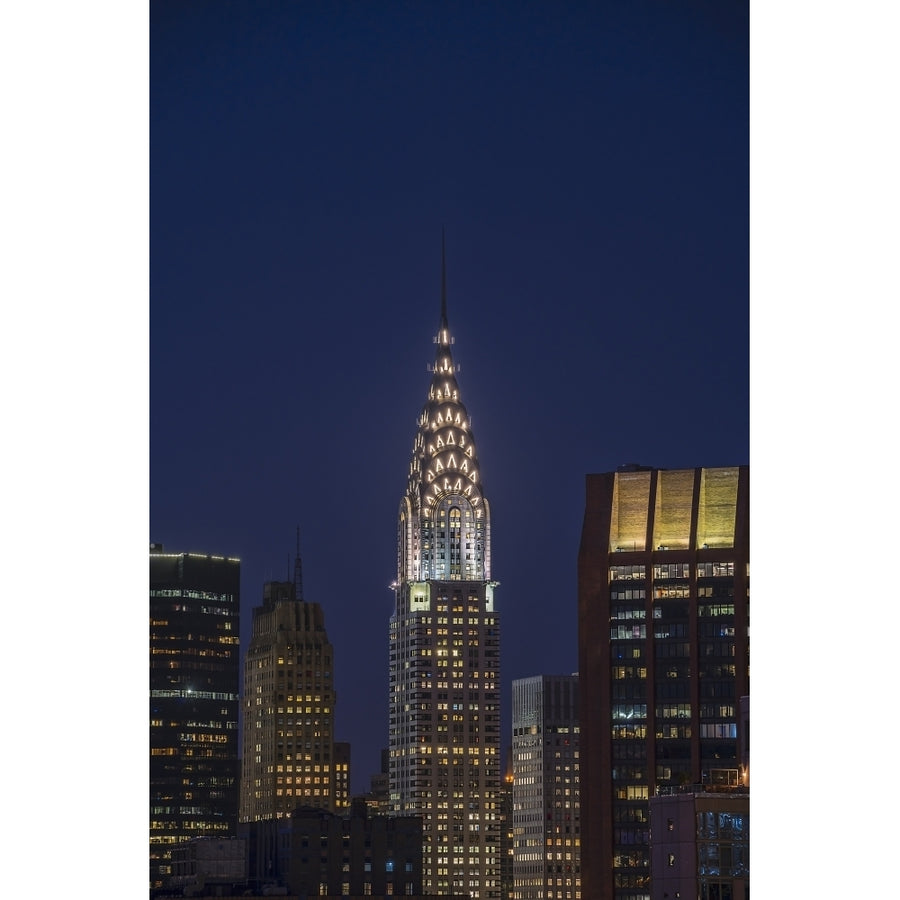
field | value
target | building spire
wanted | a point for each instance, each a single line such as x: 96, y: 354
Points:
x: 298, y: 571
x: 443, y: 361
x: 443, y: 283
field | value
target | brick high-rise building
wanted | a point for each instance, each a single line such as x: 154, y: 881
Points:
x: 195, y: 603
x: 289, y: 699
x: 663, y: 613
x: 444, y: 732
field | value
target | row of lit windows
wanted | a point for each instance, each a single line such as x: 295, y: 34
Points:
x: 628, y: 612
x: 198, y: 827
x: 621, y: 612
x: 632, y: 792
x: 313, y: 655
x: 227, y: 724
x: 715, y: 609
x: 671, y: 591
x: 188, y: 694
x: 207, y: 753
x: 622, y: 672
x: 298, y: 792
x: 186, y: 653
x: 179, y: 810
x: 627, y: 594
x: 673, y: 732
x: 192, y: 594
x: 310, y: 779
x: 724, y: 730
x: 673, y: 570
x: 633, y: 859
x: 204, y: 738
x: 182, y: 638
x: 627, y: 632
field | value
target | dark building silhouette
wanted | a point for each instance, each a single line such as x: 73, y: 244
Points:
x: 663, y: 611
x: 700, y: 843
x: 288, y: 704
x: 194, y: 676
x: 378, y: 797
x: 209, y: 866
x: 444, y: 730
x: 314, y: 852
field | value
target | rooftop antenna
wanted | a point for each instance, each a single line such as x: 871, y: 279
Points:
x: 298, y: 571
x: 443, y: 283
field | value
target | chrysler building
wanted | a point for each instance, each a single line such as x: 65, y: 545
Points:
x: 445, y: 647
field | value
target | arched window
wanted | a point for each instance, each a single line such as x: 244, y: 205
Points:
x: 454, y: 533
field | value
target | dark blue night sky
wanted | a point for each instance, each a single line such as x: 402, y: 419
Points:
x: 589, y: 165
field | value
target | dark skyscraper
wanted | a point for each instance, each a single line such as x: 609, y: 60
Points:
x: 194, y: 674
x: 445, y: 649
x: 289, y: 700
x: 663, y: 612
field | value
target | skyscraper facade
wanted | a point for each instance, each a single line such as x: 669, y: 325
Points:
x: 444, y: 731
x: 340, y: 765
x: 507, y: 828
x: 663, y: 614
x: 194, y: 683
x: 546, y: 804
x: 288, y: 703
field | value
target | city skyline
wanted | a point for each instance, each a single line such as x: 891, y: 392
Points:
x: 77, y: 203
x: 589, y: 171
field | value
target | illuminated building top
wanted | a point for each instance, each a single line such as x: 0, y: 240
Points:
x: 444, y: 524
x: 445, y: 648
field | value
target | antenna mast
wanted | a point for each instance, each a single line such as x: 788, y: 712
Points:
x: 298, y: 571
